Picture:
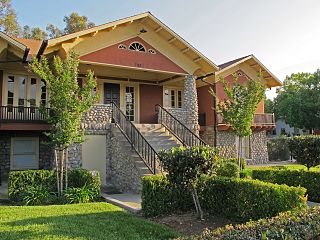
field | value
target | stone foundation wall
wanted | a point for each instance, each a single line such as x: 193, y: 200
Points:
x: 259, y: 149
x: 226, y: 142
x: 97, y: 118
x: 5, y: 144
x: 122, y: 172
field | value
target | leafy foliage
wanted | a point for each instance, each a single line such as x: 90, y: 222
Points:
x: 74, y: 23
x: 8, y: 19
x: 82, y: 194
x: 303, y: 224
x: 268, y: 106
x: 236, y: 198
x: 307, y: 179
x: 33, y: 33
x: 278, y: 149
x: 297, y: 102
x: 185, y: 165
x: 305, y: 149
x: 228, y: 169
x: 36, y: 187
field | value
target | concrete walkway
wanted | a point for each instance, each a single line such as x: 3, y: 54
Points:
x: 128, y: 201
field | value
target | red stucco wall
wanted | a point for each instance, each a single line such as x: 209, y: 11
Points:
x: 129, y: 58
x: 150, y: 95
x: 205, y: 101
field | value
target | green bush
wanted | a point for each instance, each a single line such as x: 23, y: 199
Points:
x: 228, y: 169
x: 36, y: 195
x: 235, y: 198
x: 278, y: 149
x: 303, y: 224
x: 84, y: 194
x: 307, y: 179
x: 35, y: 187
x: 306, y: 150
x: 21, y: 182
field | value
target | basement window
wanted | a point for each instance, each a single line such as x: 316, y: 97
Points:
x: 24, y: 153
x: 136, y: 46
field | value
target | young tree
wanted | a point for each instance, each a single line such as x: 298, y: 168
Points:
x: 53, y: 31
x: 184, y: 166
x: 239, y: 108
x: 74, y: 23
x: 297, y: 102
x: 8, y: 19
x: 68, y: 102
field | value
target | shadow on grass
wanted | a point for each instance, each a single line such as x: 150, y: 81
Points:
x: 102, y: 225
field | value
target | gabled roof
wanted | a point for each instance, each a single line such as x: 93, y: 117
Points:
x: 32, y: 44
x: 21, y: 48
x: 254, y: 63
x: 157, y: 25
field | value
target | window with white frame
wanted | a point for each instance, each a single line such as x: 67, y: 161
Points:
x: 173, y: 97
x: 24, y: 153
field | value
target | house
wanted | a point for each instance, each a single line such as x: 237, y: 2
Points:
x: 153, y: 86
x: 282, y: 128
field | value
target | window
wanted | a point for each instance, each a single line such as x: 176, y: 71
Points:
x: 33, y: 93
x: 130, y: 103
x: 122, y: 46
x: 22, y: 93
x: 173, y: 98
x: 136, y: 46
x: 152, y: 51
x: 10, y: 97
x: 43, y: 96
x: 24, y: 153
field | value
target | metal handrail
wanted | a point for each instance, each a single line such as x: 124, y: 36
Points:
x: 135, y: 138
x: 22, y: 114
x: 178, y: 129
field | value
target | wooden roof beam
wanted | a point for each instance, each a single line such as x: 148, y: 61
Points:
x: 185, y: 50
x: 158, y: 29
x: 197, y: 59
x: 171, y: 40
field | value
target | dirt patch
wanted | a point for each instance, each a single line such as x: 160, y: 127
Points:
x: 188, y: 224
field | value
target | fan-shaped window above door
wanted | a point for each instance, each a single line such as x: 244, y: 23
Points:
x: 136, y: 46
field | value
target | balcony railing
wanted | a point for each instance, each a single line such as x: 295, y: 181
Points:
x: 260, y: 119
x: 22, y: 114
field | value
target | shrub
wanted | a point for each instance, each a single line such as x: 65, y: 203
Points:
x: 306, y: 150
x: 185, y: 165
x: 42, y: 185
x: 21, y: 182
x: 303, y: 224
x: 243, y: 162
x: 307, y: 179
x: 36, y: 195
x: 278, y: 149
x: 234, y: 198
x: 228, y: 169
x: 82, y: 194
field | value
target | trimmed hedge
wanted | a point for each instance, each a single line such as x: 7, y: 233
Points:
x: 278, y: 149
x: 235, y: 198
x: 304, y: 224
x: 22, y: 182
x: 307, y: 179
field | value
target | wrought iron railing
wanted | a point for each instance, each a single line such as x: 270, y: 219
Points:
x: 261, y: 119
x: 178, y: 129
x: 22, y: 114
x: 135, y: 138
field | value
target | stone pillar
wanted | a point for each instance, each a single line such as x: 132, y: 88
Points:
x: 191, y: 103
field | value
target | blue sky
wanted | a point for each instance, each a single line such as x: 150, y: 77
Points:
x: 283, y: 34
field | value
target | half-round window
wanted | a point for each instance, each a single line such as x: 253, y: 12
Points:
x: 136, y: 46
x: 152, y: 51
x: 122, y: 46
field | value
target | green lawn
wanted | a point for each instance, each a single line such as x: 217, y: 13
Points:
x: 78, y: 221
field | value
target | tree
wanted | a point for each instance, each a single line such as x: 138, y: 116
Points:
x: 33, y: 33
x: 8, y: 19
x: 268, y: 106
x: 68, y: 102
x: 53, y: 31
x: 74, y: 23
x: 184, y: 166
x: 239, y: 108
x: 297, y: 102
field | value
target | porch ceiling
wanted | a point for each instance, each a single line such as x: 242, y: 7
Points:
x: 118, y: 73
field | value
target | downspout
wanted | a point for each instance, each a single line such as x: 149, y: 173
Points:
x: 214, y: 89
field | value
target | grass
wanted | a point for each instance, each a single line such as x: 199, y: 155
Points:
x: 78, y: 221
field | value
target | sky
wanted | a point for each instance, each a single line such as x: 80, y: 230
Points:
x: 283, y: 34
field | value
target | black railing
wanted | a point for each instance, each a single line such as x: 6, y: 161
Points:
x: 22, y: 114
x: 178, y: 129
x: 136, y: 139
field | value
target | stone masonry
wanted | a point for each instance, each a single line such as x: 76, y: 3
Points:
x: 98, y: 117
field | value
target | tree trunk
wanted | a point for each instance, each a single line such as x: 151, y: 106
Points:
x: 57, y: 169
x: 66, y: 167
x: 61, y: 169
x: 196, y: 201
x: 239, y: 151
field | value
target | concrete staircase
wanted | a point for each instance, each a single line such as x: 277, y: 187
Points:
x: 157, y: 136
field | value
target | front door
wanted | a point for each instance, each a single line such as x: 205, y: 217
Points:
x: 112, y: 93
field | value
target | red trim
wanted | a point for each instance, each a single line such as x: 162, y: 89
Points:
x: 24, y: 126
